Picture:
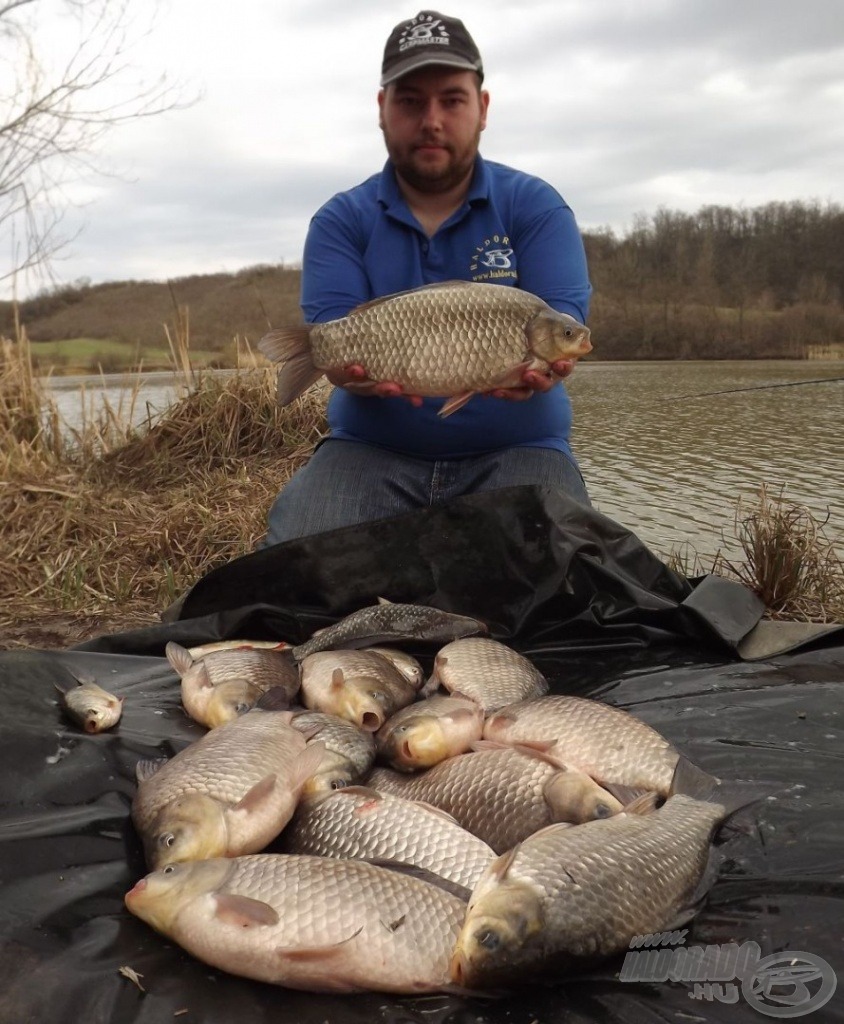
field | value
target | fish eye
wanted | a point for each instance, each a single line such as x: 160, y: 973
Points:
x: 166, y: 839
x: 401, y: 728
x: 569, y: 332
x: 602, y: 811
x: 338, y: 784
x: 168, y: 870
x: 379, y: 696
x: 488, y: 939
x: 241, y: 707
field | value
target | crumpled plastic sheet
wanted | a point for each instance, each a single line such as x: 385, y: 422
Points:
x: 602, y: 618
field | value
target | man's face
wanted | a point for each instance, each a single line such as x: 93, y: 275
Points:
x: 432, y: 121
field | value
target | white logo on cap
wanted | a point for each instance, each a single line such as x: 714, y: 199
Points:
x: 422, y: 33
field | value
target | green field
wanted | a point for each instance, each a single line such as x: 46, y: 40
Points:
x: 108, y: 355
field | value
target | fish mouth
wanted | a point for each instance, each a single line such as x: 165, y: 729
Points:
x: 370, y: 721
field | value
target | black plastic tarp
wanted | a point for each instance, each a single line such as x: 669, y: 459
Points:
x: 579, y: 594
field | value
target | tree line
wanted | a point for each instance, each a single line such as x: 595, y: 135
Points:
x: 764, y: 282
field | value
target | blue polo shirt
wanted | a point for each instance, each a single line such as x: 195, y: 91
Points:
x: 514, y: 230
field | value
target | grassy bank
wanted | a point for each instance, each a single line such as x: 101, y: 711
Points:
x: 105, y: 525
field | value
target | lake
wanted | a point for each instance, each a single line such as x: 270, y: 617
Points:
x: 669, y: 466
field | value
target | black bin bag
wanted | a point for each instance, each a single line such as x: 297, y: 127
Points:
x: 596, y: 611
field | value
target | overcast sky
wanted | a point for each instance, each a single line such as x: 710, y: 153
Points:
x: 623, y: 105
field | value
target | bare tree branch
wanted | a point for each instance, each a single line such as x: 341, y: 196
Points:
x: 54, y: 113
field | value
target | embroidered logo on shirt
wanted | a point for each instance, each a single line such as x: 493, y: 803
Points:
x: 492, y: 260
x: 422, y: 33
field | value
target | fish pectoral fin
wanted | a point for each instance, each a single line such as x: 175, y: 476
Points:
x: 274, y: 699
x: 403, y: 867
x: 147, y: 767
x: 244, y: 912
x: 308, y: 764
x: 644, y: 803
x: 338, y: 679
x: 260, y: 792
x: 179, y: 657
x: 455, y: 402
x: 317, y: 952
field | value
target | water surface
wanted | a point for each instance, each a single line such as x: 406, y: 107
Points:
x: 669, y: 467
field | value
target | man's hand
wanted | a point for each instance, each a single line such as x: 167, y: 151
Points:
x: 535, y: 380
x: 353, y: 378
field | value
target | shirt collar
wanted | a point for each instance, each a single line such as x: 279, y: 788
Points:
x: 391, y: 199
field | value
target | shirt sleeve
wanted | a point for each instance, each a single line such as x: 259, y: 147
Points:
x: 552, y: 258
x: 334, y: 279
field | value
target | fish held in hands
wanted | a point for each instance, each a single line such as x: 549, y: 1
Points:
x: 429, y: 731
x: 310, y: 923
x: 566, y: 898
x: 229, y: 793
x: 487, y: 671
x: 361, y: 686
x: 388, y: 621
x: 90, y: 706
x: 451, y: 340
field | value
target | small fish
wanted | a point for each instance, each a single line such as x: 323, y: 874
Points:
x: 429, y: 731
x: 90, y: 706
x: 311, y: 923
x: 363, y: 824
x: 486, y: 671
x: 614, y: 747
x: 566, y: 898
x: 349, y: 751
x: 501, y: 795
x: 225, y: 683
x: 360, y: 686
x: 386, y: 621
x: 453, y: 339
x: 229, y: 793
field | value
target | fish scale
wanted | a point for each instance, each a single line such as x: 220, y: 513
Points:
x: 360, y: 823
x: 496, y: 794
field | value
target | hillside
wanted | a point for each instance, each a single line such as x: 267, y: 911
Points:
x: 219, y: 308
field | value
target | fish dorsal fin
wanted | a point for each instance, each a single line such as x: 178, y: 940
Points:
x: 147, y: 767
x: 372, y: 303
x: 244, y: 912
x: 384, y: 600
x: 178, y: 656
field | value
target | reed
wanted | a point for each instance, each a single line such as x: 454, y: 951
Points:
x: 104, y: 526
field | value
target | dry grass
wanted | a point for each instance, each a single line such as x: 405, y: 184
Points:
x: 789, y: 560
x: 105, y: 525
x: 110, y: 523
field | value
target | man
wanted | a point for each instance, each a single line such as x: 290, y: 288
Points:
x: 436, y: 212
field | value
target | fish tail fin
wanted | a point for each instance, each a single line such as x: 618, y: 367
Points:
x: 292, y: 347
x: 731, y: 795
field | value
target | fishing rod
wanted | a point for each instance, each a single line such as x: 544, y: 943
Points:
x: 756, y: 387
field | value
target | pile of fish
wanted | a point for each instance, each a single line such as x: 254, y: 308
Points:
x: 347, y: 825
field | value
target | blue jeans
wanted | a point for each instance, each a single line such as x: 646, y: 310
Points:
x: 348, y: 482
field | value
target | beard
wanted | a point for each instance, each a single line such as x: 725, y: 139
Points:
x: 429, y: 178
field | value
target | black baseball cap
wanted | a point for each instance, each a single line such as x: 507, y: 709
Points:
x: 429, y: 38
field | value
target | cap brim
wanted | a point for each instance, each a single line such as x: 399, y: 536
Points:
x: 423, y: 61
